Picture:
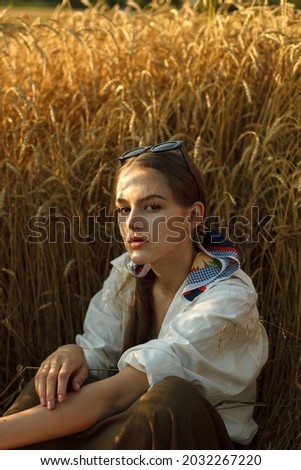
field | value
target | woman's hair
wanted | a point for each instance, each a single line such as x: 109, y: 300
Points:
x: 186, y: 184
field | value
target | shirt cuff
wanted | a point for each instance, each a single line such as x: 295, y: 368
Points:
x: 155, y: 358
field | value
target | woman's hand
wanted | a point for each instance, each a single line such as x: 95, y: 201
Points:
x: 53, y: 376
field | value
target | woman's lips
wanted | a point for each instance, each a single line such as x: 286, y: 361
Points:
x: 137, y: 242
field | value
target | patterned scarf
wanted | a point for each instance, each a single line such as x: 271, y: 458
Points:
x: 217, y: 259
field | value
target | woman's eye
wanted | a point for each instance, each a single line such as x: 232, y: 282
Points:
x: 123, y: 210
x: 152, y: 207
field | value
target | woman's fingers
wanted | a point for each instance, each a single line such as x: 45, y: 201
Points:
x: 46, y: 381
x: 40, y: 382
x: 79, y: 378
x: 62, y: 383
x: 51, y: 386
x: 53, y: 376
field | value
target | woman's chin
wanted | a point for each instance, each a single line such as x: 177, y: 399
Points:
x: 138, y: 258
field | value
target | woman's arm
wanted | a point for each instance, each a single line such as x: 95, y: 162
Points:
x: 79, y: 411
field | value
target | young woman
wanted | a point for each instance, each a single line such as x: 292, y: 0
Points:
x: 178, y: 319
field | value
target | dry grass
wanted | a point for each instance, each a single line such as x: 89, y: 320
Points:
x: 78, y: 89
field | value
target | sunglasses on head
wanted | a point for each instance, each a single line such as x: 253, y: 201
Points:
x: 161, y: 148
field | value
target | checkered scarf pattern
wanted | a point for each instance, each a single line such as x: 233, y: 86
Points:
x: 217, y: 259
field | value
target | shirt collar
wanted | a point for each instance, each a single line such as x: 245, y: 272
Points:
x: 217, y: 259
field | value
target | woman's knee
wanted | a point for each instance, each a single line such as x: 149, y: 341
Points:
x: 180, y: 398
x: 187, y: 418
x: 173, y: 392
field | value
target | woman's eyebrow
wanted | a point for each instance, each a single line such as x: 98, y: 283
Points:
x: 121, y: 200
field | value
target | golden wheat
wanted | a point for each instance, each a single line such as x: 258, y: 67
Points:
x: 80, y: 88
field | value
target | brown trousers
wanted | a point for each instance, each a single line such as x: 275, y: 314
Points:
x: 172, y: 415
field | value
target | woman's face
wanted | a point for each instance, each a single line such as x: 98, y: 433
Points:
x: 153, y: 225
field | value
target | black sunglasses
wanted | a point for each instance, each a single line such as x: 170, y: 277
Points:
x: 161, y: 148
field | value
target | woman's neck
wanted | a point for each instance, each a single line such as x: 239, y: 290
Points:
x: 171, y: 274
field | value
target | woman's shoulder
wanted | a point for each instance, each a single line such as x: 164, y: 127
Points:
x: 240, y: 279
x: 236, y: 291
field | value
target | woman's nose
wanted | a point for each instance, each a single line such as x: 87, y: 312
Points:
x: 136, y: 223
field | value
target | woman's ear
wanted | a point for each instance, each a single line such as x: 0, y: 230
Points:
x: 196, y: 215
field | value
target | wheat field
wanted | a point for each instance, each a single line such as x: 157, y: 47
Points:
x: 77, y: 90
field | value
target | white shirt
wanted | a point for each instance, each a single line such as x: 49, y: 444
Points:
x: 217, y: 342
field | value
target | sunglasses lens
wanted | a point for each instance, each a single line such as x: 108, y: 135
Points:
x: 133, y: 153
x: 165, y: 146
